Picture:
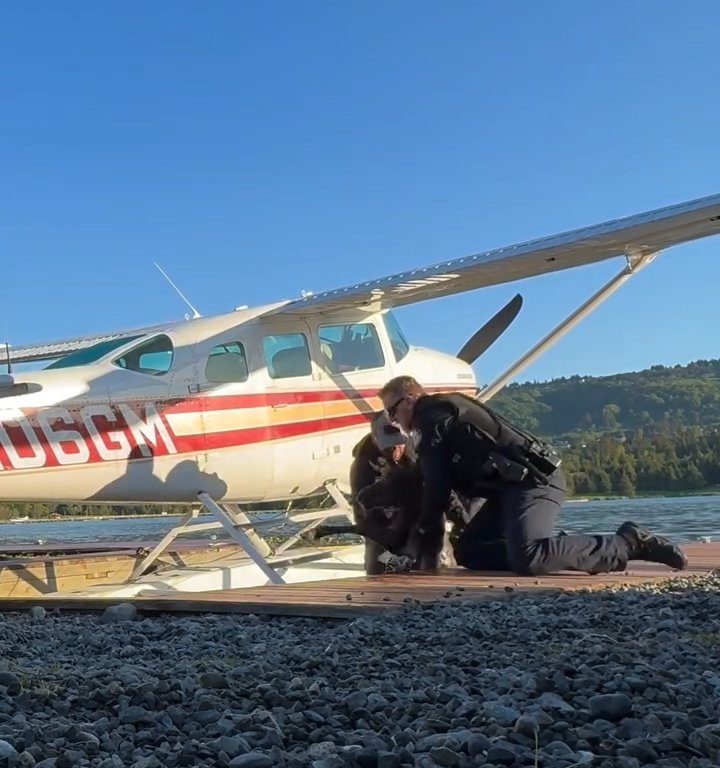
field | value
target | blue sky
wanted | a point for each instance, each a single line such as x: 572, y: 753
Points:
x: 258, y: 149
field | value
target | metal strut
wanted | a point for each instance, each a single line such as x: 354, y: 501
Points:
x: 635, y: 262
x: 232, y: 525
x: 244, y: 532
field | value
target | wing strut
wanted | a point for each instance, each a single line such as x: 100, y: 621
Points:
x: 635, y: 262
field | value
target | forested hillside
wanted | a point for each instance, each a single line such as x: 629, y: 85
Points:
x: 657, y: 400
x: 654, y: 430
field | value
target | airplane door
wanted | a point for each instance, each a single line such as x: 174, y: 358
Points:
x: 355, y: 364
x: 295, y: 405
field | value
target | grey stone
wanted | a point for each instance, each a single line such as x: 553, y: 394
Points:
x: 478, y: 744
x: 252, y: 760
x: 120, y: 612
x: 231, y: 745
x: 37, y: 613
x: 11, y: 682
x: 625, y: 761
x: 355, y: 700
x: 501, y: 754
x: 610, y: 706
x: 444, y: 756
x: 8, y: 754
x: 706, y: 740
x: 376, y: 702
x: 552, y: 701
x: 388, y: 760
x: 500, y: 713
x: 147, y: 762
x: 527, y: 725
x: 134, y: 715
x: 213, y: 680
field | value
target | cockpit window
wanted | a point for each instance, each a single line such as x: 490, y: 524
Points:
x: 398, y: 342
x: 227, y: 363
x: 91, y: 354
x: 154, y: 357
x: 351, y: 347
x: 287, y: 355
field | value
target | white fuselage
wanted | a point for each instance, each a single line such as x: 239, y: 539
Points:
x: 246, y: 406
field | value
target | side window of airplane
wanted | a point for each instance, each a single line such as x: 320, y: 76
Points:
x: 352, y: 347
x: 287, y: 355
x: 227, y: 363
x: 153, y: 357
x: 398, y: 342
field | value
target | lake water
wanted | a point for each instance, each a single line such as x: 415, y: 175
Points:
x: 682, y: 519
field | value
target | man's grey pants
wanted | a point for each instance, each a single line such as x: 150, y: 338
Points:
x: 513, y: 531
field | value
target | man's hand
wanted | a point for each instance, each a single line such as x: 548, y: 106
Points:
x: 430, y: 543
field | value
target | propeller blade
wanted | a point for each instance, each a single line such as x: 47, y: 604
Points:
x: 491, y: 331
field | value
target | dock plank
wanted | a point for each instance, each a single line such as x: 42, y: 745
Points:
x: 362, y: 596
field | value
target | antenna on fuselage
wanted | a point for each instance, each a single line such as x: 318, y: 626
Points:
x: 195, y: 314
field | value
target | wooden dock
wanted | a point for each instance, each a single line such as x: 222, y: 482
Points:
x: 29, y: 571
x: 362, y: 596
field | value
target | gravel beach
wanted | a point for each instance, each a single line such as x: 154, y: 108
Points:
x: 613, y: 679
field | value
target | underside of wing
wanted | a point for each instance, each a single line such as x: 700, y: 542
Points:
x: 637, y: 235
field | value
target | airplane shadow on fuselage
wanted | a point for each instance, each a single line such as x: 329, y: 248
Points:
x: 141, y: 485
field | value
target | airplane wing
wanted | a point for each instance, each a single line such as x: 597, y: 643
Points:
x: 640, y: 234
x: 54, y: 349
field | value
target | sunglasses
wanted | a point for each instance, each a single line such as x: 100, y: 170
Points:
x: 392, y: 410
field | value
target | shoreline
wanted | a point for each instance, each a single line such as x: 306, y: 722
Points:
x: 584, y: 499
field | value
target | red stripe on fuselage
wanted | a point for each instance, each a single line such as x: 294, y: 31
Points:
x: 240, y: 437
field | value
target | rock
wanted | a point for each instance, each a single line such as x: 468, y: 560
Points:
x: 252, y: 760
x: 231, y: 745
x: 444, y: 756
x: 642, y: 749
x: 552, y: 701
x: 376, y: 702
x: 610, y: 706
x: 388, y: 760
x: 8, y: 754
x: 366, y: 758
x: 120, y: 612
x: 527, y: 725
x: 559, y: 749
x: 631, y: 728
x: 147, y: 762
x: 500, y: 713
x: 501, y: 754
x: 213, y: 680
x: 478, y: 744
x: 26, y: 760
x: 11, y: 682
x: 322, y: 749
x: 37, y: 613
x: 355, y: 700
x: 135, y: 715
x: 333, y: 761
x: 706, y: 740
x: 624, y: 761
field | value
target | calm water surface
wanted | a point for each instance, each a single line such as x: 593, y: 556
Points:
x: 683, y: 518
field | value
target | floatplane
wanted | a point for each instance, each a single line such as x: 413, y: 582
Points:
x: 266, y: 403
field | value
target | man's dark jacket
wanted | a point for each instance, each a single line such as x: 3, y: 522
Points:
x: 456, y: 435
